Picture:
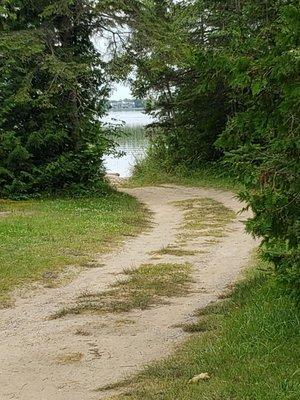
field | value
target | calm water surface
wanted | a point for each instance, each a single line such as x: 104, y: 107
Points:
x: 131, y: 118
x: 134, y: 146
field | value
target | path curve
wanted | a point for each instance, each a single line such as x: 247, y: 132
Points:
x: 30, y: 343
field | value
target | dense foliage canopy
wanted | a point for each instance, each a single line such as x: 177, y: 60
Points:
x: 53, y: 93
x: 222, y: 76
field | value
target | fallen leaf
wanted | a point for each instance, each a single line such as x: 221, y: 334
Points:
x: 204, y: 376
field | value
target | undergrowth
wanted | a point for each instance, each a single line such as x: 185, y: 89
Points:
x: 150, y: 171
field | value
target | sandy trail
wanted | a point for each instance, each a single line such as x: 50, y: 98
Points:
x: 116, y: 345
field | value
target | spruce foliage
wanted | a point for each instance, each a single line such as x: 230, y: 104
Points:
x: 222, y: 77
x: 52, y: 95
x: 262, y: 138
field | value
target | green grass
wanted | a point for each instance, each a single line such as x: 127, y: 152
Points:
x: 148, y: 285
x: 204, y: 218
x: 205, y: 213
x: 174, y: 251
x: 40, y: 237
x: 150, y: 172
x: 249, y: 344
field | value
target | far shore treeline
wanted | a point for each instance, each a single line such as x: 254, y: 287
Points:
x: 221, y: 78
x: 126, y: 105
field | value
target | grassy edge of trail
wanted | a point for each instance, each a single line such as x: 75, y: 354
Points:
x: 39, y: 238
x: 248, y: 343
x: 150, y: 171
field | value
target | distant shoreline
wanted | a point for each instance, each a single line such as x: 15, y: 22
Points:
x: 126, y: 105
x: 125, y: 109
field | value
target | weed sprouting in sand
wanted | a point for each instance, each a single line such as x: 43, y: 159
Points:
x: 203, y: 217
x: 146, y: 286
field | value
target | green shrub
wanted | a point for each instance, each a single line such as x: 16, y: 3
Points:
x: 53, y: 94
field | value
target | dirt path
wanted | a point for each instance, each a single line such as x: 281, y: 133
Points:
x: 42, y: 359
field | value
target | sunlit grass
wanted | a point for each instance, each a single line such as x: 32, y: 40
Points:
x: 204, y: 217
x: 150, y: 171
x: 148, y: 285
x: 174, y: 251
x: 248, y: 344
x: 38, y: 238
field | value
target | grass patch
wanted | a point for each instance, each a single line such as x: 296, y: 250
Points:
x: 149, y: 171
x: 40, y: 237
x: 252, y: 352
x: 144, y: 287
x: 114, y: 386
x: 212, y: 233
x: 205, y: 213
x: 203, y: 324
x: 173, y: 251
x: 204, y: 218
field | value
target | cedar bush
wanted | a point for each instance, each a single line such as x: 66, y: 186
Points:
x: 222, y: 78
x: 52, y: 95
x: 262, y: 137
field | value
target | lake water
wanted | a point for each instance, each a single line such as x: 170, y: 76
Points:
x: 130, y: 118
x: 134, y: 146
